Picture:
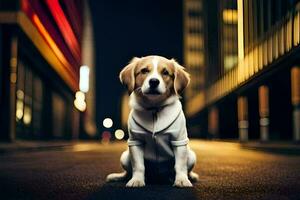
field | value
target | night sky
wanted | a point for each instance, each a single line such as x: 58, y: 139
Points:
x: 124, y: 29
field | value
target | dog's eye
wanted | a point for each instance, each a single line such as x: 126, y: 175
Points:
x: 145, y: 71
x: 165, y: 72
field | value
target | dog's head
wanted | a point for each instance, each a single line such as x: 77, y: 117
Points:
x: 154, y: 78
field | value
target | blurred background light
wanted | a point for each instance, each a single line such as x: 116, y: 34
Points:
x: 80, y: 96
x: 19, y: 104
x: 84, y: 78
x: 19, y: 109
x: 80, y: 105
x: 20, y: 94
x: 107, y: 122
x: 79, y: 101
x: 27, y: 115
x: 119, y: 134
x: 106, y: 135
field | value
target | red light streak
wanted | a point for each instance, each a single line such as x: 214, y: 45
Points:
x: 64, y: 27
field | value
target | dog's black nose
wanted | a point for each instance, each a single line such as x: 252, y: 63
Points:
x: 153, y: 82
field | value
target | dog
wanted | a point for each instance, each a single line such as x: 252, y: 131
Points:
x: 158, y: 140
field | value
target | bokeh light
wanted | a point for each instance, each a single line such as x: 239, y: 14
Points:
x: 108, y: 123
x: 27, y: 115
x: 79, y: 101
x: 106, y: 135
x: 119, y: 134
x: 80, y: 96
x: 80, y: 105
x: 84, y: 78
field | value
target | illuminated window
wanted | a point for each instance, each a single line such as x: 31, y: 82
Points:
x: 230, y: 61
x: 29, y: 102
x: 194, y: 45
x: 230, y: 16
x: 229, y: 35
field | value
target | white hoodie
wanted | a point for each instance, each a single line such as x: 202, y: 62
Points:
x: 158, y: 131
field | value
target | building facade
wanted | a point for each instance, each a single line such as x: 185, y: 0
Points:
x: 41, y: 51
x: 251, y: 69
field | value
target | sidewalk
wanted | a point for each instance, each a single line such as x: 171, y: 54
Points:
x: 287, y: 148
x: 23, y: 145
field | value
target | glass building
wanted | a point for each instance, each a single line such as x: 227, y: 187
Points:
x: 41, y: 50
x: 250, y: 69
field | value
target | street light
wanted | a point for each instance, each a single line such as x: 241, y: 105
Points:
x: 84, y: 78
x: 79, y: 101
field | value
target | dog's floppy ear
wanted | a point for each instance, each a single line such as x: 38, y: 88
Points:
x: 182, y: 78
x: 127, y: 74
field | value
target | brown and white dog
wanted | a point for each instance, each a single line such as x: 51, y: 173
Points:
x: 158, y: 142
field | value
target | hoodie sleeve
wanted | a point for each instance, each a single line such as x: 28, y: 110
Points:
x: 134, y: 139
x: 180, y: 137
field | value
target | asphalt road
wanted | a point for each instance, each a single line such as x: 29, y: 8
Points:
x: 226, y: 171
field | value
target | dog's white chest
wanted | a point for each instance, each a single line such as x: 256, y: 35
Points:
x: 158, y: 132
x: 156, y: 121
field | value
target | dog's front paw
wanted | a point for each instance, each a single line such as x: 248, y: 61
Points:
x: 135, y: 182
x: 182, y: 181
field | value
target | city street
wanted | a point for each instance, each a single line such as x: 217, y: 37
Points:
x: 227, y: 171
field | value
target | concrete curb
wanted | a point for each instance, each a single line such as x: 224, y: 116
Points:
x: 31, y: 146
x: 278, y: 148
